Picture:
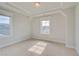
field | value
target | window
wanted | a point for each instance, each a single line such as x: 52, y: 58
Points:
x: 45, y: 26
x: 4, y: 25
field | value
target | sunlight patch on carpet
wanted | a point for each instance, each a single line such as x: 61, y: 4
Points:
x: 38, y: 47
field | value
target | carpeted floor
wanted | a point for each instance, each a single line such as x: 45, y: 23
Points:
x: 37, y: 48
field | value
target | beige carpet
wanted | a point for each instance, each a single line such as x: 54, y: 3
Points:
x: 37, y: 48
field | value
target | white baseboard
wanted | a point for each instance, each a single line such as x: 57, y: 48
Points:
x: 69, y: 46
x: 13, y: 42
x: 77, y: 51
x: 49, y: 39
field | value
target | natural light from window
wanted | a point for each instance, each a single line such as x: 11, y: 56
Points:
x: 38, y: 48
x: 4, y: 25
x: 44, y: 26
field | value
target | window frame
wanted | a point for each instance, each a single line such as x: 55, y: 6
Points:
x: 9, y: 25
x: 41, y: 27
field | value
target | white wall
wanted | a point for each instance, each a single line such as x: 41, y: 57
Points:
x: 62, y: 28
x: 77, y: 29
x: 20, y: 28
x: 57, y: 28
x: 70, y: 20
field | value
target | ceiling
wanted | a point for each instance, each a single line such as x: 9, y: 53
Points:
x: 28, y: 8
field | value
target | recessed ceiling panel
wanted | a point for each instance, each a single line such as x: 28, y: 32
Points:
x: 44, y: 6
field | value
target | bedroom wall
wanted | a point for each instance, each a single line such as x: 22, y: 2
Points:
x: 57, y: 28
x: 77, y: 29
x: 70, y: 27
x: 20, y: 28
x: 62, y: 28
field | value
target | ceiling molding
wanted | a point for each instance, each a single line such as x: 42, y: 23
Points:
x: 29, y: 12
x: 14, y: 9
x: 5, y: 13
x: 49, y: 13
x: 19, y: 8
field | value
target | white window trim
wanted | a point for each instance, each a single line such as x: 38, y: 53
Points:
x: 41, y: 25
x: 6, y: 13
